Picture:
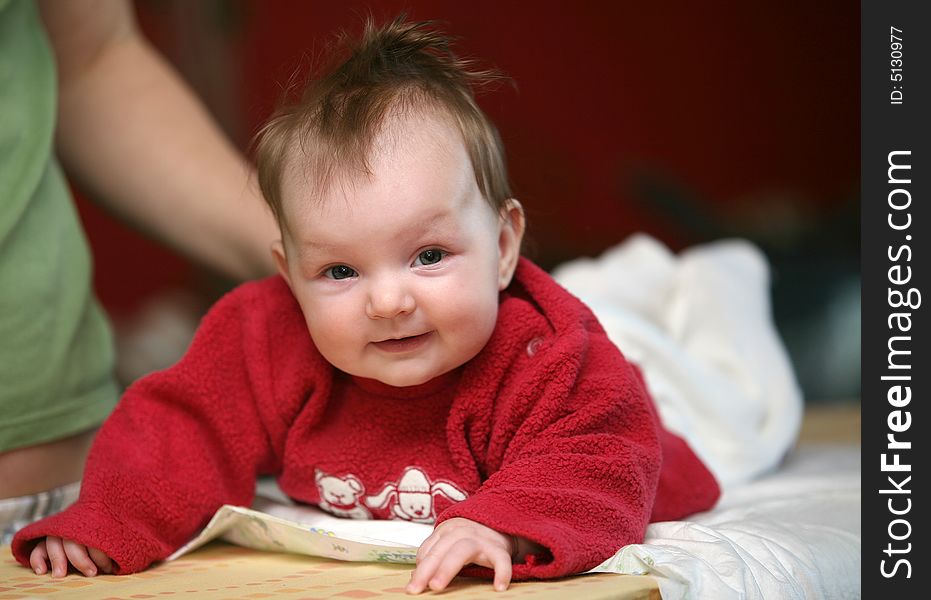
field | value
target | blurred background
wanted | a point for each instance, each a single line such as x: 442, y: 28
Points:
x: 689, y: 121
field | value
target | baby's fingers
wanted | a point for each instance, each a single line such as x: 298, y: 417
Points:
x: 439, y: 569
x: 103, y: 562
x: 38, y: 558
x: 502, y: 573
x: 499, y: 560
x: 56, y: 556
x: 77, y: 554
x: 427, y: 565
x: 426, y: 547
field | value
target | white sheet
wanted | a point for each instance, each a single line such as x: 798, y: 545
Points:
x: 700, y: 327
x: 792, y: 534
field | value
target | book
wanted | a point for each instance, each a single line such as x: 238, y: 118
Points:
x: 274, y: 526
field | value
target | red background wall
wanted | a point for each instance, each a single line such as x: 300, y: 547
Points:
x: 686, y: 120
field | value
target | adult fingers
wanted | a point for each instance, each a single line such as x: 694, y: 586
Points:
x: 38, y: 558
x: 56, y: 556
x: 103, y: 562
x: 77, y: 554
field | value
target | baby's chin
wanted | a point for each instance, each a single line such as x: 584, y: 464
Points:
x: 408, y: 372
x: 409, y: 375
x: 410, y: 379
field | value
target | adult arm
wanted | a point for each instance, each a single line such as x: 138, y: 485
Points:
x: 138, y: 140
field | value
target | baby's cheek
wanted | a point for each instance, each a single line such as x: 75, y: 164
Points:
x: 472, y: 308
x: 339, y: 345
x: 478, y: 320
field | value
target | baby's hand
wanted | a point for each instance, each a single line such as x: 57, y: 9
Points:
x: 59, y: 552
x: 456, y: 543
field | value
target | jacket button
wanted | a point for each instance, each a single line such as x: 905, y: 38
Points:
x: 533, y: 345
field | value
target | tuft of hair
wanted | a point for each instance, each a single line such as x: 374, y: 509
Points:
x: 402, y: 65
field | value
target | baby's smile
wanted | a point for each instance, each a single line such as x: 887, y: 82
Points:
x: 409, y: 343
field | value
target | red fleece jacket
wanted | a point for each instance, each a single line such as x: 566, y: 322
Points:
x: 547, y: 434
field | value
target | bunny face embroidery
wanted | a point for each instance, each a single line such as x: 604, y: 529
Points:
x: 340, y: 495
x: 411, y: 498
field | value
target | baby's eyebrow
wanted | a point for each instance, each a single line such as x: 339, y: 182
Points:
x: 318, y: 247
x: 315, y: 252
x: 428, y: 223
x: 309, y: 248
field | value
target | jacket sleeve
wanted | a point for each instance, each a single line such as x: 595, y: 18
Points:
x: 180, y: 443
x: 573, y: 456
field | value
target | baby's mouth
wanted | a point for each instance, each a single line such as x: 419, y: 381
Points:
x: 404, y: 344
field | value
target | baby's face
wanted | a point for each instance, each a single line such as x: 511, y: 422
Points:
x: 398, y: 274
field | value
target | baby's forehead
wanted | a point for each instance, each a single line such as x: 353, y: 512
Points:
x: 422, y: 127
x: 318, y: 172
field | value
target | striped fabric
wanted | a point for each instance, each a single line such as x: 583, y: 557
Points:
x: 16, y: 513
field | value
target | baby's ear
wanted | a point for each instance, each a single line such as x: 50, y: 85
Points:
x: 510, y: 235
x: 281, y: 260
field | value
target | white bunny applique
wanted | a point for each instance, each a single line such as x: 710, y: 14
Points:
x: 341, y: 495
x: 413, y: 496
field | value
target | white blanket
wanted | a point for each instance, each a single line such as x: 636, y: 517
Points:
x: 699, y: 325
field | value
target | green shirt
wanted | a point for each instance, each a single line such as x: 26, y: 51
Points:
x: 56, y: 349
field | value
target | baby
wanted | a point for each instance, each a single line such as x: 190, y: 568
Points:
x: 408, y: 363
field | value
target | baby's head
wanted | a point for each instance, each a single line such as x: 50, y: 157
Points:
x: 398, y: 229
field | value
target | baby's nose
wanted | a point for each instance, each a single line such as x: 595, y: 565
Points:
x: 389, y: 300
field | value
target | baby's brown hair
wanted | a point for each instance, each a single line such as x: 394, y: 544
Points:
x: 399, y: 66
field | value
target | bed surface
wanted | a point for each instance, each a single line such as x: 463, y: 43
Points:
x: 220, y: 570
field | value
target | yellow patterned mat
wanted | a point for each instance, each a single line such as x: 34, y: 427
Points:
x: 223, y: 571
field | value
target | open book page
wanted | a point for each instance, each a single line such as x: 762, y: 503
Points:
x: 277, y: 527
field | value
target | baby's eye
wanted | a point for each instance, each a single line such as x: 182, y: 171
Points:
x: 340, y: 272
x: 430, y: 257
